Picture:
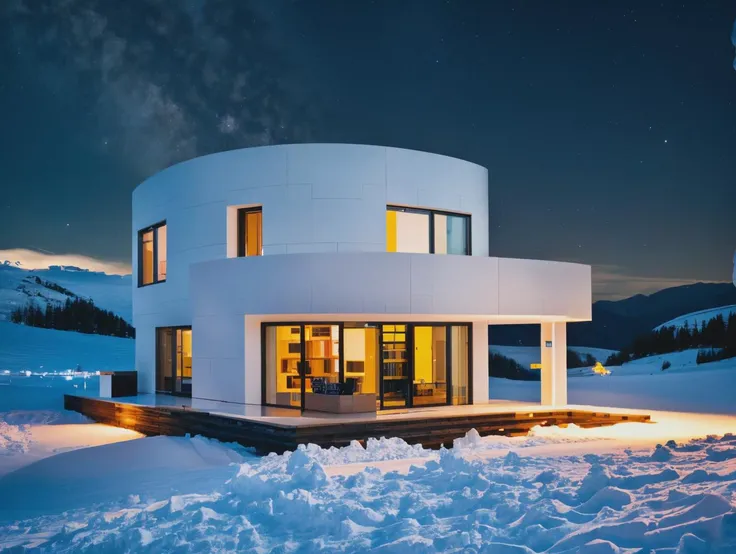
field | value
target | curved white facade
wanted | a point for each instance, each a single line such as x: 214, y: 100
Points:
x: 324, y: 242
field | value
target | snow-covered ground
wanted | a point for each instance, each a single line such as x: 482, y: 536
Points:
x: 34, y: 425
x: 68, y: 485
x: 36, y: 349
x: 642, y: 384
x: 485, y: 495
x: 698, y: 318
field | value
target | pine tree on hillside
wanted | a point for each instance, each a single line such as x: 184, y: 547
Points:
x: 77, y: 314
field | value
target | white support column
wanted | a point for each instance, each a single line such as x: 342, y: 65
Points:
x: 554, y: 364
x: 480, y: 362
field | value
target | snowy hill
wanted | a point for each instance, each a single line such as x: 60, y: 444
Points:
x: 39, y: 350
x: 19, y: 286
x: 698, y: 318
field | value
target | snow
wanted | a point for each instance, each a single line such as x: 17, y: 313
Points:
x: 34, y: 425
x: 698, y: 318
x: 190, y: 495
x: 669, y: 487
x: 36, y: 349
x: 642, y: 385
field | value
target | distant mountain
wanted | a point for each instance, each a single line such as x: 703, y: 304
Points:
x: 54, y: 285
x: 616, y: 323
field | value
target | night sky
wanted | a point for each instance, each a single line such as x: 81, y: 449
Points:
x: 608, y: 127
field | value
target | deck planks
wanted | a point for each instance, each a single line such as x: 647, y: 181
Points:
x: 432, y: 432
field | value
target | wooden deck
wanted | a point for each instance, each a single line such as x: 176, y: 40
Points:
x: 267, y: 434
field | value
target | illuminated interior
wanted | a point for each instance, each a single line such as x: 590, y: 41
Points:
x: 421, y: 231
x: 152, y: 247
x: 430, y: 365
x: 287, y: 375
x: 174, y: 360
x: 161, y: 253
x: 403, y: 365
x: 459, y: 352
x: 395, y: 366
x: 250, y: 232
x: 147, y: 258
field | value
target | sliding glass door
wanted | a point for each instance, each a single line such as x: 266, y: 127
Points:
x: 174, y: 360
x: 283, y: 377
x: 430, y: 365
x: 405, y: 365
x: 395, y: 370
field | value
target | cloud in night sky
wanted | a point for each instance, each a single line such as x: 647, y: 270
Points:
x: 32, y: 259
x: 167, y: 81
x: 611, y: 282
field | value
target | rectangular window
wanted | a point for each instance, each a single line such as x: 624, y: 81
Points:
x: 152, y: 255
x: 451, y: 234
x: 250, y: 232
x: 421, y: 231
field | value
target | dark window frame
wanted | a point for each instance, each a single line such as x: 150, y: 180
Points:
x: 154, y: 228
x: 431, y: 213
x: 378, y: 324
x: 242, y: 212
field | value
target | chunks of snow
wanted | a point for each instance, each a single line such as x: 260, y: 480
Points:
x: 193, y: 494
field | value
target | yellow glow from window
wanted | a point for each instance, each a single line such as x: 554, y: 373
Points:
x: 147, y: 258
x: 161, y: 253
x: 390, y: 231
x: 253, y: 233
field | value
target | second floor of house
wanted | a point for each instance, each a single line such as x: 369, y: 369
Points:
x: 307, y: 198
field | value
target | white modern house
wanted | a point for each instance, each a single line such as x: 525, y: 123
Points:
x: 265, y: 275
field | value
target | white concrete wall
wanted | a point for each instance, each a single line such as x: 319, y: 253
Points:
x: 480, y: 362
x: 554, y: 364
x: 315, y: 198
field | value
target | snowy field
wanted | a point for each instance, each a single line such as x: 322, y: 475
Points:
x: 35, y: 349
x: 68, y: 485
x: 641, y: 384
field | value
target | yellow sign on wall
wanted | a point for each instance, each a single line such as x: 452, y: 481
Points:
x: 536, y: 366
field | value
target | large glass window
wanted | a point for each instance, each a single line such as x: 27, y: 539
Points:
x: 395, y: 368
x: 405, y: 365
x: 451, y: 234
x: 361, y: 357
x: 321, y: 354
x: 152, y: 255
x: 407, y: 231
x: 430, y: 365
x: 460, y: 393
x: 421, y: 231
x: 250, y: 232
x: 174, y: 360
x: 283, y: 354
x: 288, y: 377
